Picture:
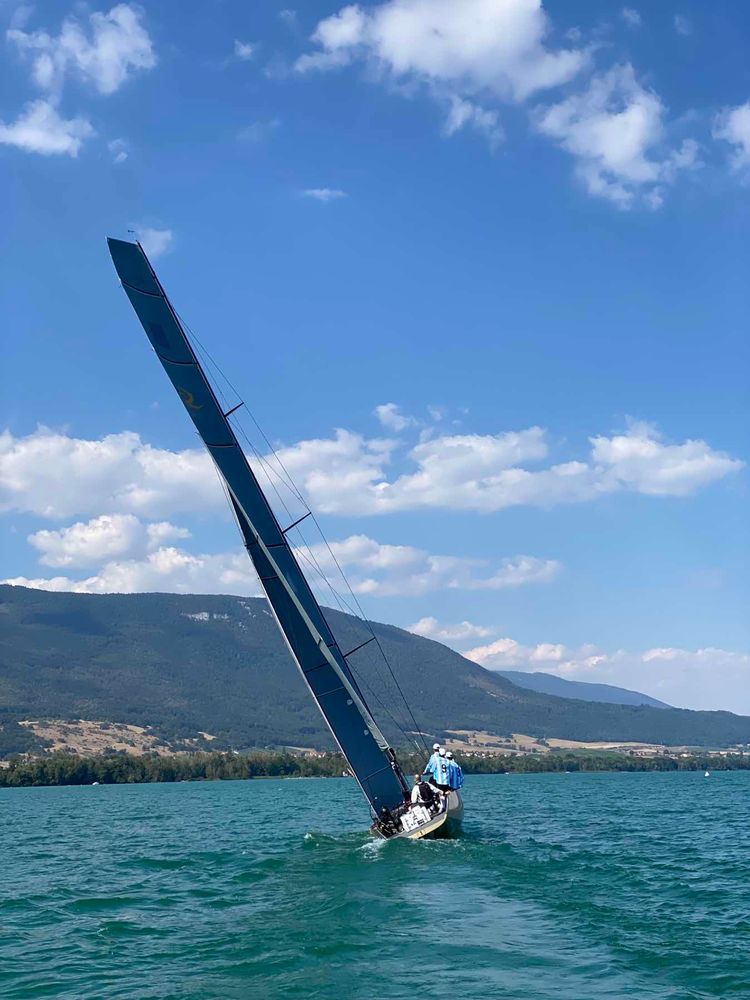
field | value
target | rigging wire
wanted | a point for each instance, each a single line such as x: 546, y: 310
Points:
x: 360, y: 679
x: 312, y: 561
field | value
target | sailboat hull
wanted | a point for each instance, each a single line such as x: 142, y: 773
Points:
x: 446, y: 823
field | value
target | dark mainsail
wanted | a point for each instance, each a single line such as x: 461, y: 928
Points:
x: 295, y: 608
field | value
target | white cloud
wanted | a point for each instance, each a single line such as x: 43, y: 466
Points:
x: 477, y: 45
x: 388, y: 570
x: 631, y: 17
x: 324, y: 194
x: 373, y: 568
x: 163, y: 531
x: 356, y: 465
x: 244, y: 50
x: 40, y: 129
x: 119, y: 150
x: 682, y: 25
x: 641, y: 462
x: 706, y: 678
x: 733, y: 126
x: 155, y: 241
x: 476, y: 54
x: 90, y: 543
x: 58, y: 476
x: 391, y: 417
x: 167, y: 570
x: 464, y: 631
x: 94, y: 542
x: 615, y: 130
x: 467, y: 114
x: 115, y: 45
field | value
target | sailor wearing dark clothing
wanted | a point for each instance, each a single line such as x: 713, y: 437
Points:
x: 423, y: 793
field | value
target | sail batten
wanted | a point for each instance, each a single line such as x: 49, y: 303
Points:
x: 295, y: 609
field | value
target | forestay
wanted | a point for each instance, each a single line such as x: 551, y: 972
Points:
x: 297, y: 612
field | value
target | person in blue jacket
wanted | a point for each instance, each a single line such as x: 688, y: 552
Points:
x: 431, y: 764
x: 455, y: 772
x: 442, y: 771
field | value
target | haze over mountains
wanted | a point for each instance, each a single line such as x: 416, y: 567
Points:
x: 189, y: 664
x: 583, y: 690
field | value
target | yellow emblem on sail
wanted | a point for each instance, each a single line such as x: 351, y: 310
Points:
x: 188, y: 399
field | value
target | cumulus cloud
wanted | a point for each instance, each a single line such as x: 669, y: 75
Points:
x: 104, y: 53
x: 732, y: 125
x: 324, y: 194
x: 89, y: 543
x: 391, y: 417
x: 640, y: 461
x: 475, y: 45
x: 93, y: 542
x: 39, y: 128
x: 372, y: 568
x: 389, y: 570
x: 166, y: 570
x: 615, y: 130
x: 464, y: 631
x: 474, y: 56
x: 706, y: 678
x: 57, y: 476
x: 155, y: 241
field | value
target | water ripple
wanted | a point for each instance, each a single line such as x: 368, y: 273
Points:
x: 572, y: 887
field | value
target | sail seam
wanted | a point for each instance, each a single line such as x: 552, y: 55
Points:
x: 169, y: 361
x: 142, y: 291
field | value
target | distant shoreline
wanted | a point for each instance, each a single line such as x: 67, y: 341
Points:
x: 120, y: 768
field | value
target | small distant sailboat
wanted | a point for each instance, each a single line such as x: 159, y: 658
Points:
x: 298, y: 615
x: 707, y: 774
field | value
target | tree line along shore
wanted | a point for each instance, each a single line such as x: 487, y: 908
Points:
x: 121, y: 768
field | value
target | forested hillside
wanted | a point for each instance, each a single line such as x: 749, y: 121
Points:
x: 186, y: 664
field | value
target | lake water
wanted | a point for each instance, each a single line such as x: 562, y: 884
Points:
x: 564, y: 886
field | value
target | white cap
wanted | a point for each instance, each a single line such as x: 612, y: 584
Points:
x: 435, y: 746
x: 449, y: 753
x: 441, y: 751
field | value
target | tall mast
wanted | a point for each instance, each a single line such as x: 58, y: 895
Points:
x: 297, y: 612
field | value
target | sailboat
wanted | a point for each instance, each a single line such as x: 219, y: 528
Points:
x: 298, y: 614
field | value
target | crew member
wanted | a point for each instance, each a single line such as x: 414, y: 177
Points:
x: 423, y: 793
x: 431, y: 764
x: 441, y: 772
x: 455, y: 772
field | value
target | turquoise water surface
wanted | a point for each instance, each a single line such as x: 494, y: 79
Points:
x: 564, y: 886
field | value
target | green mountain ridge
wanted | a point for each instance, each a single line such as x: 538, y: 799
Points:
x: 183, y: 664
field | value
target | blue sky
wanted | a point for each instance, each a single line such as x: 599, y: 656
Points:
x: 478, y: 269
